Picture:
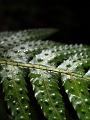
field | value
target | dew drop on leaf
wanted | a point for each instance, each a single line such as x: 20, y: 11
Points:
x: 26, y: 107
x: 14, y: 102
x: 17, y: 108
x: 86, y: 100
x: 21, y: 117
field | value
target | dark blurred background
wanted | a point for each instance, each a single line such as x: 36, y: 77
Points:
x: 70, y: 17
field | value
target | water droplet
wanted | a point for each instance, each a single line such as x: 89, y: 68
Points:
x: 1, y: 81
x: 22, y: 98
x: 29, y: 114
x: 86, y: 100
x: 81, y: 54
x: 66, y: 91
x: 21, y: 117
x: 41, y: 107
x: 83, y: 111
x: 53, y: 95
x: 61, y: 111
x: 57, y: 104
x: 41, y: 100
x: 50, y: 110
x: 46, y: 102
x: 26, y: 107
x: 14, y: 102
x: 72, y: 88
x: 74, y: 51
x: 87, y: 118
x: 20, y: 89
x: 85, y: 61
x: 44, y: 113
x: 8, y: 106
x: 11, y: 86
x: 17, y: 80
x: 79, y: 83
x: 12, y: 113
x: 54, y: 118
x: 65, y: 53
x: 82, y: 91
x: 17, y: 109
x: 80, y: 63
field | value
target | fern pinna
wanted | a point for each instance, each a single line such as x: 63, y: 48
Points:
x: 43, y: 79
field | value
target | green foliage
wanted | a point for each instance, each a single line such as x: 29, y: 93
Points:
x: 47, y: 94
x: 77, y: 89
x: 43, y: 80
x: 14, y: 87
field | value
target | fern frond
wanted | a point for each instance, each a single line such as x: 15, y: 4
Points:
x: 51, y: 67
x: 77, y: 89
x: 47, y: 94
x: 14, y: 87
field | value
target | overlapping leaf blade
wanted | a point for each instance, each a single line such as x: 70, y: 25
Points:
x: 48, y: 95
x: 76, y: 88
x: 14, y: 88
